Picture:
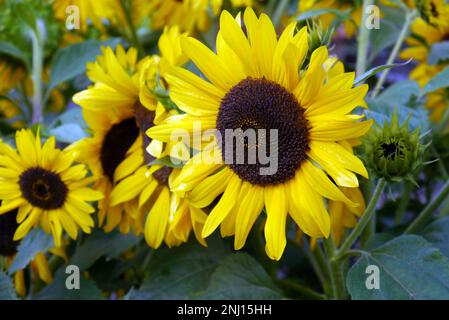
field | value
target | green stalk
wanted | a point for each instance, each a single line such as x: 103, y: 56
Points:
x: 337, y: 271
x: 400, y: 211
x: 361, y: 224
x: 303, y: 291
x: 321, y: 267
x: 363, y: 40
x: 36, y: 74
x: 280, y: 9
x: 125, y: 5
x: 409, y: 17
x: 428, y: 210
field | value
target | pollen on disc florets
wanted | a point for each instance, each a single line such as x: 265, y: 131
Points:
x: 393, y: 152
x: 264, y: 104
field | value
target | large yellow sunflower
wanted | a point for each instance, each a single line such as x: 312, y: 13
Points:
x: 45, y: 186
x: 255, y: 83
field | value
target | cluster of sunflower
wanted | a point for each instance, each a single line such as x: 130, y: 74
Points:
x: 129, y: 174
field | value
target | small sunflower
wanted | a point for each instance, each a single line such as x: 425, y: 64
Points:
x: 189, y: 15
x: 424, y: 35
x: 434, y: 12
x: 10, y: 74
x: 355, y: 9
x: 93, y: 11
x: 254, y: 83
x: 45, y: 186
x: 8, y: 249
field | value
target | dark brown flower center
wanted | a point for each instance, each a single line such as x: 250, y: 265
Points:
x: 255, y: 104
x: 116, y: 143
x: 43, y: 188
x: 144, y: 120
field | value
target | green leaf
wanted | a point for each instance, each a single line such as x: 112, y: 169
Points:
x: 382, y: 110
x: 70, y: 61
x: 100, y: 244
x: 373, y: 71
x: 72, y: 115
x: 7, y: 291
x: 180, y: 273
x: 437, y: 233
x: 240, y: 277
x: 439, y: 53
x: 68, y: 133
x: 409, y: 268
x: 319, y: 12
x: 400, y: 93
x: 383, y: 37
x: 11, y: 50
x: 57, y: 290
x: 441, y: 80
x: 35, y: 241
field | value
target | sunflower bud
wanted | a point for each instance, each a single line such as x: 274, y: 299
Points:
x: 393, y: 152
x: 318, y: 36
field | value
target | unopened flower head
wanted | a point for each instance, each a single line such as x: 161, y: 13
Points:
x: 394, y: 152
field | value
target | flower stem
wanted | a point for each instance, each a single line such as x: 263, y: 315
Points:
x: 366, y: 217
x: 337, y: 274
x: 303, y: 291
x: 363, y: 40
x: 36, y: 74
x: 280, y: 9
x: 400, y: 211
x: 129, y: 20
x: 428, y: 210
x: 409, y: 17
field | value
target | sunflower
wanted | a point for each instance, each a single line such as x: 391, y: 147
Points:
x: 424, y: 35
x: 10, y: 74
x: 119, y: 108
x: 45, y: 186
x: 8, y: 249
x: 254, y: 83
x: 165, y: 216
x: 350, y: 26
x: 189, y: 15
x: 93, y: 11
x: 108, y: 109
x: 434, y: 12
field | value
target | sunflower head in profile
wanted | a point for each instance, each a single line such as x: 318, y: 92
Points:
x: 46, y: 187
x: 257, y: 81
